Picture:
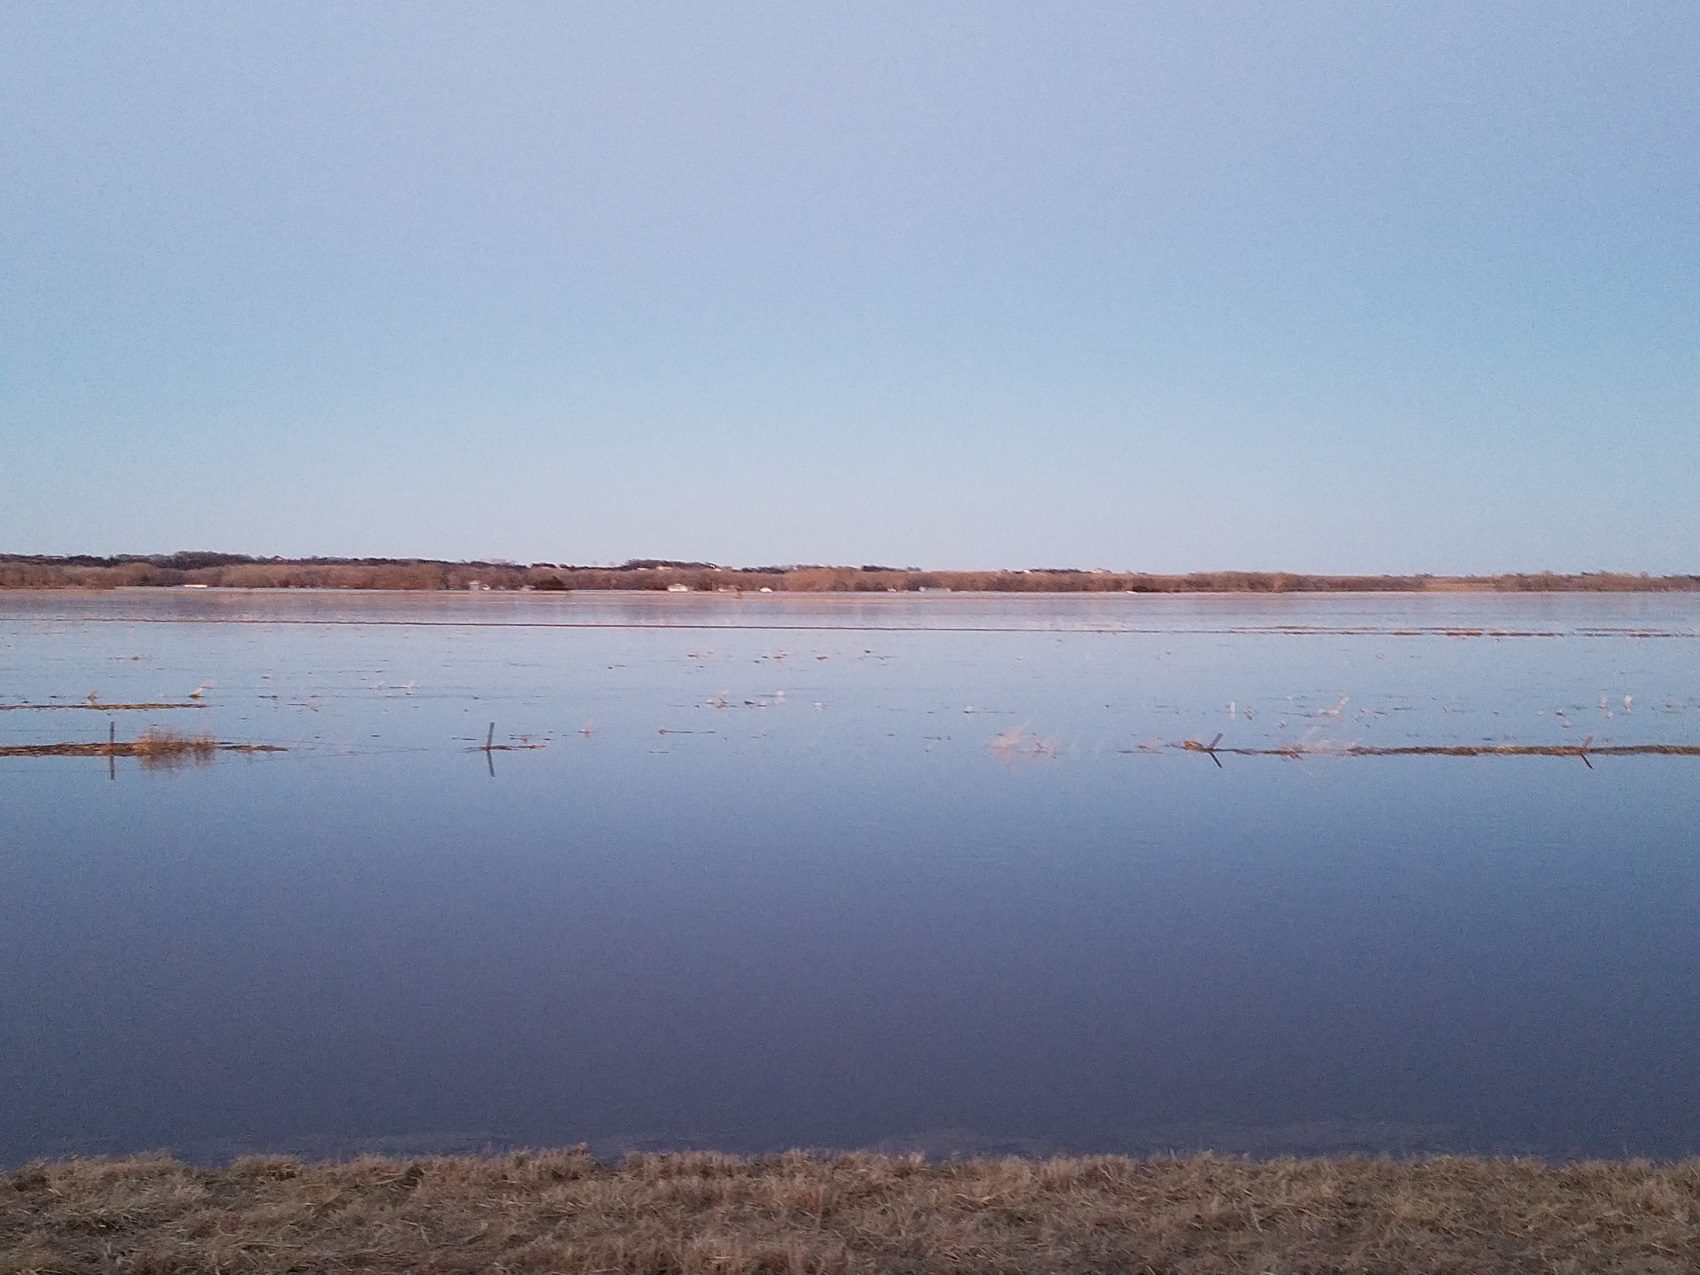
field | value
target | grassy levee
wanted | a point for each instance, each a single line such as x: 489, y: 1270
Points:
x: 793, y: 1213
x: 232, y: 571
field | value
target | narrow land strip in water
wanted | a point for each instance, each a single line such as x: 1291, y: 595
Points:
x: 95, y: 706
x: 1583, y: 750
x: 147, y: 747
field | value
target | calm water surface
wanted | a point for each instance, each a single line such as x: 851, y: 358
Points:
x: 848, y: 871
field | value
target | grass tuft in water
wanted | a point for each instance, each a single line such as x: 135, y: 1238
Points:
x: 160, y: 746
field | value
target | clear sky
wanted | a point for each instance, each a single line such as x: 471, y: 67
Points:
x: 1169, y: 286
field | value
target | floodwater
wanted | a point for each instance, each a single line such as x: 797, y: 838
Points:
x: 908, y: 872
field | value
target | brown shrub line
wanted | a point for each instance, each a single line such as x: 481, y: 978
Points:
x: 690, y: 1213
x: 423, y: 575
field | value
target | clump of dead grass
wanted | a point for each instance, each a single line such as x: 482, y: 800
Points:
x: 160, y: 746
x: 682, y: 1214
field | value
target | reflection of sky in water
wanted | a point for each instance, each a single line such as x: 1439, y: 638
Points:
x: 775, y: 885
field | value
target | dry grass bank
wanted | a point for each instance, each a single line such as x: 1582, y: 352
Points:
x: 232, y: 571
x: 561, y: 1211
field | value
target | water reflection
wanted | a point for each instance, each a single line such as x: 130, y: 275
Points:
x: 854, y: 874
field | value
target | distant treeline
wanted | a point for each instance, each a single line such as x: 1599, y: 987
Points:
x: 236, y: 571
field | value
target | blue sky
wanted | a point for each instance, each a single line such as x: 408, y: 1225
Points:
x: 1330, y: 287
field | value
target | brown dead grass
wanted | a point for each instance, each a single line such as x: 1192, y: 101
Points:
x: 700, y: 1213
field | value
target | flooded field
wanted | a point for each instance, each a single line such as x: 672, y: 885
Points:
x: 956, y: 873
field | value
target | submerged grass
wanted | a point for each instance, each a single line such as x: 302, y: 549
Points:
x: 697, y: 1212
